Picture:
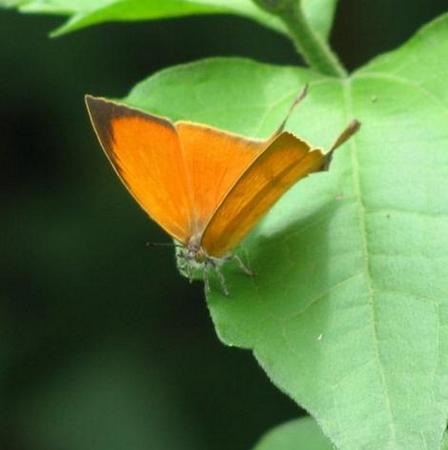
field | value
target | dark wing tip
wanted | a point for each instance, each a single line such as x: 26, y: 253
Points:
x: 90, y: 101
x: 102, y: 111
x: 98, y: 106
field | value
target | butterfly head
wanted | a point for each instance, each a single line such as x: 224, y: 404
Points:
x: 192, y: 258
x: 195, y: 263
x: 194, y: 253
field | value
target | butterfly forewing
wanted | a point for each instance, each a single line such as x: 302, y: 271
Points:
x: 285, y: 161
x: 146, y: 153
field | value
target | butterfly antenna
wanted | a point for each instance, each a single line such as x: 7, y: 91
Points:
x: 302, y: 94
x: 162, y: 244
x: 348, y: 132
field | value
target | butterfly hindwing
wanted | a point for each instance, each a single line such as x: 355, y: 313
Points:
x: 285, y: 161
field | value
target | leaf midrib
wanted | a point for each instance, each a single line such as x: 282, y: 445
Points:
x: 346, y: 85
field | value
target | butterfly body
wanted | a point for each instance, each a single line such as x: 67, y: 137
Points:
x: 192, y: 257
x: 207, y: 188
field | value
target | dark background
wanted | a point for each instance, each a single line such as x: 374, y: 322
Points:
x: 102, y: 344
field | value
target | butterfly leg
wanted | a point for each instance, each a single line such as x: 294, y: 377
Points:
x: 190, y: 273
x: 206, y: 281
x: 222, y: 281
x: 242, y: 266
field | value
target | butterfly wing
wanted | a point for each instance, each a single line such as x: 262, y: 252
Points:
x: 215, y: 160
x: 285, y: 161
x: 145, y: 152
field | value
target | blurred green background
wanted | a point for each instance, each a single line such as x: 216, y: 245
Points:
x: 102, y: 344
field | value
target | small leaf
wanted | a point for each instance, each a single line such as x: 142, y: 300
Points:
x: 295, y: 435
x: 348, y: 313
x: 11, y: 3
x: 85, y: 13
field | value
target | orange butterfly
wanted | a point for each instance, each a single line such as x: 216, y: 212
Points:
x: 207, y: 188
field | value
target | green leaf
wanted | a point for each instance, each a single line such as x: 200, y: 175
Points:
x: 11, y: 3
x: 84, y: 13
x: 295, y: 435
x: 445, y: 442
x: 348, y: 312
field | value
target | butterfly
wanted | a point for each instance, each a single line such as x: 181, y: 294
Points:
x: 206, y: 187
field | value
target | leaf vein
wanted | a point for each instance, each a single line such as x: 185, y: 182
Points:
x: 405, y: 82
x: 346, y: 90
x: 322, y: 295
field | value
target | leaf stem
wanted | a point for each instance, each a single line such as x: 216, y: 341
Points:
x: 316, y: 52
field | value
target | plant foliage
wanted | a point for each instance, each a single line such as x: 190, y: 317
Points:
x: 348, y: 312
